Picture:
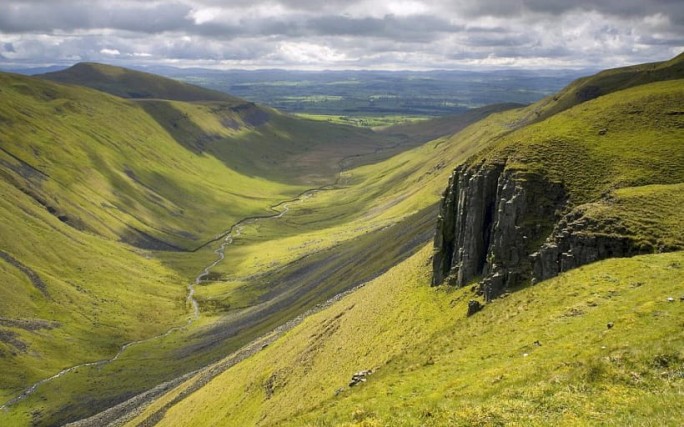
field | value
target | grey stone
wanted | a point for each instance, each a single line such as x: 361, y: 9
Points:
x: 473, y: 307
x: 488, y: 217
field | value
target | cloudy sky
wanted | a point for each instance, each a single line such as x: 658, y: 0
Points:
x: 342, y: 34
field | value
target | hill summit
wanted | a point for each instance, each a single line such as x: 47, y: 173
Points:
x: 128, y: 83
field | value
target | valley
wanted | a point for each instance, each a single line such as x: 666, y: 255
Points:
x: 247, y: 262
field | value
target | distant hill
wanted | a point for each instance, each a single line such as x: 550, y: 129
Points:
x: 128, y: 83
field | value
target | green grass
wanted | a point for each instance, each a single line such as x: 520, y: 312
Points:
x: 650, y: 215
x: 369, y: 198
x: 100, y: 295
x: 434, y: 366
x: 619, y: 157
x: 364, y: 121
x: 134, y: 84
x: 182, y: 173
x: 120, y: 177
x: 64, y: 156
x: 604, y: 83
x: 601, y: 151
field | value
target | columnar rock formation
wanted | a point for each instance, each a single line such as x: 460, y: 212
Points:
x: 502, y: 227
x: 491, y: 220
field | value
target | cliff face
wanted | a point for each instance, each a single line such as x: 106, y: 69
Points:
x: 491, y: 220
x: 504, y: 227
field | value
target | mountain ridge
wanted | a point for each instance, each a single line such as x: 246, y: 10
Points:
x: 128, y: 83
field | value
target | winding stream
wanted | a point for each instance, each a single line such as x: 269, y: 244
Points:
x: 227, y: 238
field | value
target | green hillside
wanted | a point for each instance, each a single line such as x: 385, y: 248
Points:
x: 99, y: 175
x: 617, y: 151
x: 91, y: 183
x: 123, y: 191
x: 619, y: 159
x: 128, y: 83
x: 433, y: 366
x: 607, y: 82
x: 286, y: 213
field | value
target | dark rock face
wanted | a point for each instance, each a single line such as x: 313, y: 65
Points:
x: 505, y: 227
x: 577, y: 241
x: 490, y: 219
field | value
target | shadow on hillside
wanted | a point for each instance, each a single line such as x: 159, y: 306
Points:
x: 314, y: 279
x: 179, y: 125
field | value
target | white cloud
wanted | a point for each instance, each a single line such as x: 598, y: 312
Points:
x: 110, y: 52
x: 309, y: 53
x: 406, y: 8
x: 201, y: 16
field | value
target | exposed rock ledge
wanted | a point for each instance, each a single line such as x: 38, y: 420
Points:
x: 504, y: 227
x: 578, y: 240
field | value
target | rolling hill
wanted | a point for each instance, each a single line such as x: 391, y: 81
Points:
x: 584, y: 339
x: 127, y: 83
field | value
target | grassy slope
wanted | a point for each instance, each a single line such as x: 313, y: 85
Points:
x: 629, y: 174
x: 119, y: 177
x: 604, y: 83
x: 371, y: 199
x: 433, y: 366
x: 93, y: 295
x: 250, y: 139
x: 194, y: 183
x: 616, y: 152
x: 145, y: 176
x: 62, y: 155
x: 377, y: 196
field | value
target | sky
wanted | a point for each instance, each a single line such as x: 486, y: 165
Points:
x: 342, y: 34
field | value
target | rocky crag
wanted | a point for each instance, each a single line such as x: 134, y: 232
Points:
x: 490, y: 220
x: 503, y: 227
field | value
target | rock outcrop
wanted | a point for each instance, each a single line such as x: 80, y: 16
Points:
x: 491, y: 220
x: 578, y: 240
x: 503, y: 227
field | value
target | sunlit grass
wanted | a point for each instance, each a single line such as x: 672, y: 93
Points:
x: 434, y: 366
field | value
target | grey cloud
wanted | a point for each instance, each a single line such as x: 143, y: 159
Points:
x: 445, y: 33
x: 620, y: 8
x: 494, y: 40
x: 419, y: 29
x: 20, y: 17
x: 416, y: 28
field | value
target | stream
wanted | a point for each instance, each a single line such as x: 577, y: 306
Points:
x: 227, y: 238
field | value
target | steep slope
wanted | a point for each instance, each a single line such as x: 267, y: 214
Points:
x: 573, y: 180
x: 602, y: 178
x: 91, y: 183
x: 169, y: 176
x: 324, y: 244
x: 541, y: 356
x: 179, y: 200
